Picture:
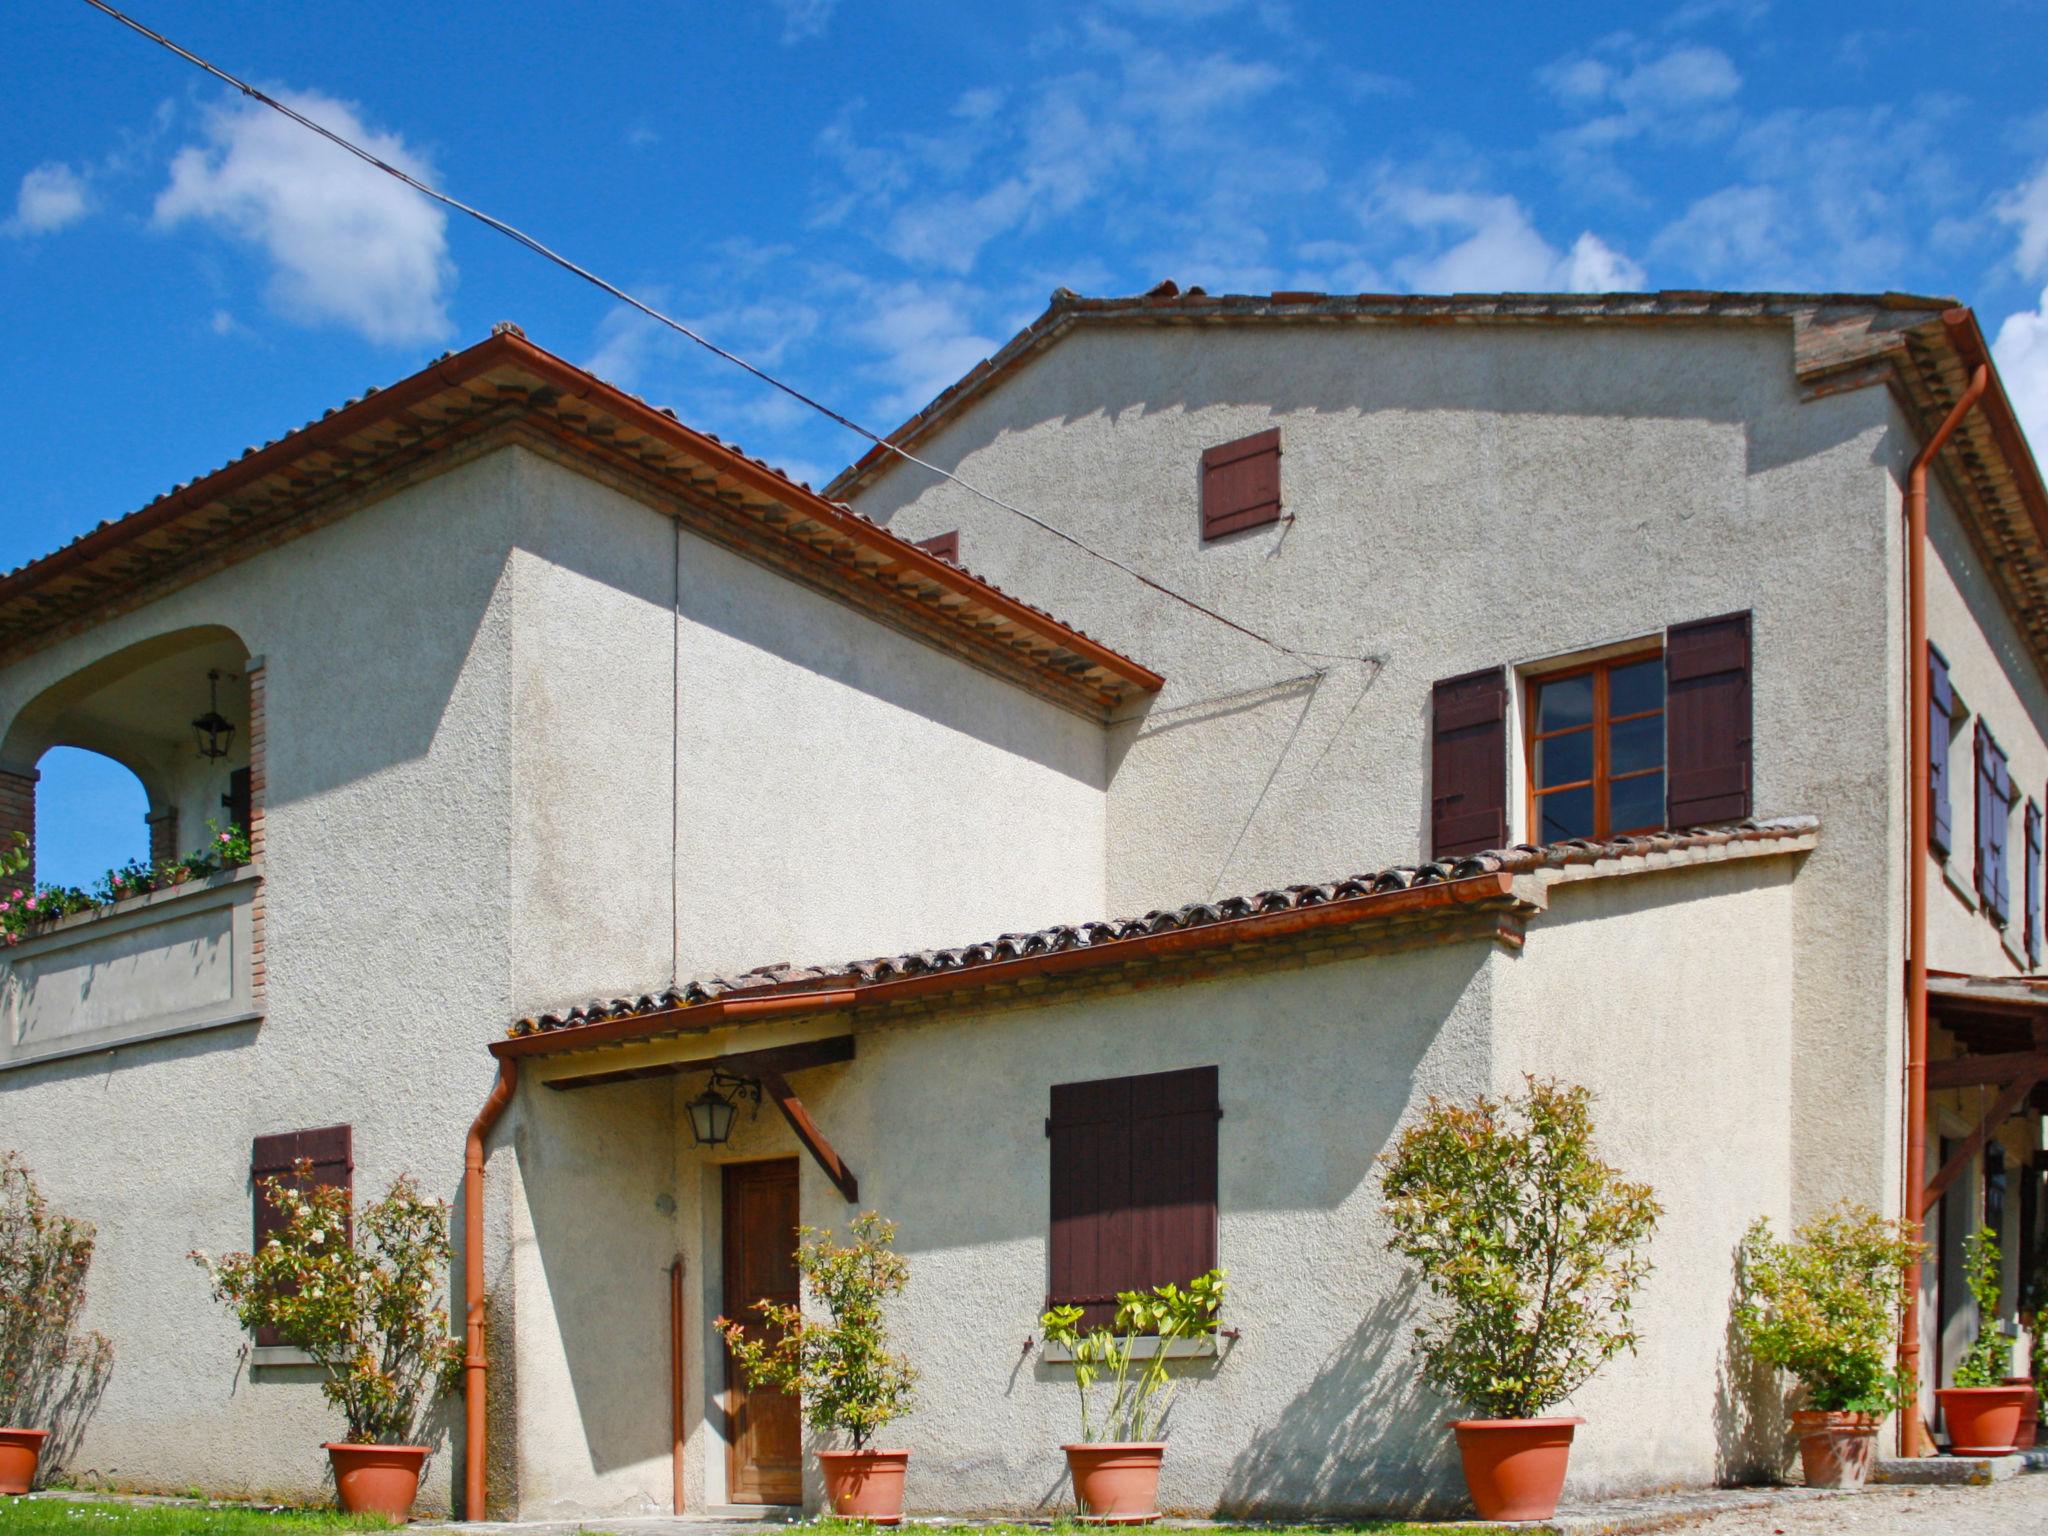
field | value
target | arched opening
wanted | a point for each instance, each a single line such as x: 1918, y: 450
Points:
x: 133, y: 760
x: 91, y: 816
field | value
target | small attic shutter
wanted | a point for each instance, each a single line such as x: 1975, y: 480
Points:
x: 945, y: 545
x: 1133, y: 1186
x: 332, y: 1154
x: 1468, y: 756
x: 1941, y: 705
x: 1707, y: 721
x: 1241, y: 484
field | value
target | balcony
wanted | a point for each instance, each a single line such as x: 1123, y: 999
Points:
x: 174, y: 961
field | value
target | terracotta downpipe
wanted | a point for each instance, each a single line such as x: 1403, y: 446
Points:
x: 675, y: 1379
x: 1912, y: 1440
x: 475, y: 1365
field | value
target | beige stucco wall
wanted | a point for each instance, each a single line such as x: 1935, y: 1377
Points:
x: 474, y: 810
x: 1624, y: 985
x: 1464, y: 497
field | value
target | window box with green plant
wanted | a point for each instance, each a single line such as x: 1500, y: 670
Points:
x: 1824, y: 1306
x: 51, y: 1371
x: 839, y: 1364
x: 1982, y: 1409
x: 1530, y: 1246
x: 363, y: 1291
x: 27, y: 909
x: 1116, y: 1463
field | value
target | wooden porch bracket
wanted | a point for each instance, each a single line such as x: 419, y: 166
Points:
x: 2002, y: 1108
x: 1981, y: 1071
x: 776, y: 1086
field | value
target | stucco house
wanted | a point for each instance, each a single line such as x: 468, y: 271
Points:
x: 1459, y: 687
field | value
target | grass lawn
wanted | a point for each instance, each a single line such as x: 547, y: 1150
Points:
x: 109, y: 1517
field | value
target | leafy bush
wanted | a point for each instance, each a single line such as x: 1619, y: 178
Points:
x: 1137, y: 1410
x: 359, y: 1291
x: 1825, y: 1305
x: 51, y: 1373
x: 1988, y: 1360
x: 840, y: 1368
x: 1527, y: 1241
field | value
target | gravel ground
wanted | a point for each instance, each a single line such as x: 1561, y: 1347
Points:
x: 2018, y: 1507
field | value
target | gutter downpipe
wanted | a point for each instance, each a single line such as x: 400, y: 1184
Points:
x: 475, y: 1364
x: 1912, y: 1432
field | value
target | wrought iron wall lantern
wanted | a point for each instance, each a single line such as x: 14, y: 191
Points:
x: 213, y: 729
x: 711, y: 1112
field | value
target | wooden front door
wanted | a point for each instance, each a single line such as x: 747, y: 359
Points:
x: 764, y: 1456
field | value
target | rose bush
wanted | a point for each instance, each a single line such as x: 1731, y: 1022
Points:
x: 361, y: 1291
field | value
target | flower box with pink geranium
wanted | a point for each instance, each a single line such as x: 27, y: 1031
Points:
x: 27, y: 908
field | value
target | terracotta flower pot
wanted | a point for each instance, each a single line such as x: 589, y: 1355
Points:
x: 1116, y: 1482
x: 2030, y: 1416
x: 1983, y: 1421
x: 19, y: 1449
x: 377, y: 1479
x: 1836, y: 1449
x: 865, y: 1485
x: 1514, y: 1468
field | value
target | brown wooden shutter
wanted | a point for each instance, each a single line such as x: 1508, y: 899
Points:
x: 1133, y: 1186
x: 236, y: 801
x: 2033, y: 884
x: 1707, y: 721
x: 1941, y: 705
x: 945, y: 545
x: 1241, y: 484
x: 1468, y: 764
x: 332, y: 1153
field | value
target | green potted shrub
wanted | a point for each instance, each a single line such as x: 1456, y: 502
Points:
x: 1115, y: 1465
x: 363, y: 1293
x: 1981, y: 1408
x: 51, y: 1372
x: 1529, y: 1245
x: 839, y: 1364
x: 1824, y: 1306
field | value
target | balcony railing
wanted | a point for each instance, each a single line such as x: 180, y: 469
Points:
x: 169, y: 962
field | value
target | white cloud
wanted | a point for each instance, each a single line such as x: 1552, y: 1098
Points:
x: 1734, y: 237
x: 925, y: 338
x: 1486, y: 242
x: 51, y: 198
x: 1625, y: 91
x: 2022, y: 344
x: 803, y: 20
x: 346, y: 243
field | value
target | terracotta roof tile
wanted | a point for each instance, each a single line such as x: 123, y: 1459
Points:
x: 1523, y: 858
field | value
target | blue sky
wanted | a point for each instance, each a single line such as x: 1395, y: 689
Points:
x: 868, y: 198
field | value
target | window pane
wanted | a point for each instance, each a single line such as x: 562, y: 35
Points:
x: 1567, y: 813
x: 1637, y: 686
x: 1636, y: 744
x: 1636, y: 804
x: 1564, y: 703
x: 1564, y: 759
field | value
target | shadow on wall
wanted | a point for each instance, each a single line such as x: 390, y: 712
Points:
x: 1749, y: 1412
x: 1365, y: 1437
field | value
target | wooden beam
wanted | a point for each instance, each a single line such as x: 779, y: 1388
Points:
x: 776, y: 1086
x: 2001, y: 1110
x: 1981, y: 1071
x: 776, y: 1058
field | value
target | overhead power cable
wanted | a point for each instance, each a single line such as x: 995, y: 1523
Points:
x: 548, y: 253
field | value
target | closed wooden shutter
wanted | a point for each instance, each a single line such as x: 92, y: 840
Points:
x: 1707, y: 721
x: 1468, y: 764
x: 332, y: 1154
x: 945, y: 545
x: 2033, y: 884
x: 1134, y: 1180
x: 1241, y: 484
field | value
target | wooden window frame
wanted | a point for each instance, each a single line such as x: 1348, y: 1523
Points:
x: 1602, y: 779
